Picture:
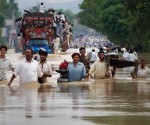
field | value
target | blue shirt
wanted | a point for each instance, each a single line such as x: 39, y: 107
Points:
x: 76, y: 73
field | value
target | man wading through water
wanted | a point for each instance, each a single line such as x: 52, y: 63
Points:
x: 100, y: 68
x: 28, y: 70
x: 5, y: 63
x: 45, y: 67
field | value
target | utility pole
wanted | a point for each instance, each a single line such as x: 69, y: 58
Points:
x: 12, y: 33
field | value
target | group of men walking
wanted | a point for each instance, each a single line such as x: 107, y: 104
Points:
x: 31, y: 70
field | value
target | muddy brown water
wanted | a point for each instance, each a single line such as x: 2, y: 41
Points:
x: 117, y: 101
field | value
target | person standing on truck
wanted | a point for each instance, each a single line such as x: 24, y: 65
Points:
x: 42, y: 8
x: 45, y: 67
x: 28, y: 70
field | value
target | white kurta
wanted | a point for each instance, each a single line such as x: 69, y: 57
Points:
x: 5, y: 65
x: 46, y: 68
x: 99, y: 69
x: 28, y: 71
x: 143, y: 73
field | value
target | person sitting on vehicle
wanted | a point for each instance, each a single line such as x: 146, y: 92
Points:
x: 41, y: 8
x: 141, y: 71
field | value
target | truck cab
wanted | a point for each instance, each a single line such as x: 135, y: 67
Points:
x: 37, y: 32
x: 35, y: 44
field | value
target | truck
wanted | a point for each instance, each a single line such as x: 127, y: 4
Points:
x: 36, y: 31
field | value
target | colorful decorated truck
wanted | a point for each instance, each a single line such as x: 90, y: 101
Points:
x: 37, y: 31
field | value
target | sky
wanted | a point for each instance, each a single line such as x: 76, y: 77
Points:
x: 56, y: 4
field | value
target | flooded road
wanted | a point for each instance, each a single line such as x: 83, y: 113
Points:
x: 117, y: 101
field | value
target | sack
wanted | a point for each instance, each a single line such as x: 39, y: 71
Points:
x: 41, y: 80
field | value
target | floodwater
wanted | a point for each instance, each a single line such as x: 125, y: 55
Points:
x: 117, y: 101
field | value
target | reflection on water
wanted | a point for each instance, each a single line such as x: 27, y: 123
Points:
x: 107, y: 102
x: 118, y: 101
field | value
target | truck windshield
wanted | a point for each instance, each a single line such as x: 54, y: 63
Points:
x: 38, y: 42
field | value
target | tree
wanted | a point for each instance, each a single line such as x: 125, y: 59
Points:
x: 69, y: 14
x: 139, y: 17
x: 107, y: 17
x: 122, y: 21
x: 12, y: 5
x: 2, y: 19
x: 35, y: 8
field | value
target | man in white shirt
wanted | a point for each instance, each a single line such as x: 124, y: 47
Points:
x: 142, y: 71
x: 45, y: 67
x: 28, y: 70
x: 92, y: 57
x: 100, y: 68
x: 133, y: 58
x: 5, y: 63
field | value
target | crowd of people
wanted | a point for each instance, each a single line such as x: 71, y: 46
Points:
x: 37, y: 69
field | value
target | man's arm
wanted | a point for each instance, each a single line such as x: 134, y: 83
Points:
x: 47, y: 75
x: 92, y: 70
x: 12, y: 78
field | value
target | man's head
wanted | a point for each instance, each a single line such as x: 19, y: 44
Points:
x: 108, y: 48
x: 75, y: 57
x: 3, y: 50
x: 101, y: 55
x: 93, y: 50
x: 142, y: 63
x: 43, y: 55
x: 29, y: 54
x: 82, y: 51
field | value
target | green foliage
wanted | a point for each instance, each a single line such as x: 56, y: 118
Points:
x: 69, y: 14
x: 122, y: 21
x: 35, y: 8
x: 2, y: 19
x: 140, y: 16
x: 2, y: 42
x: 7, y: 8
x: 3, y: 5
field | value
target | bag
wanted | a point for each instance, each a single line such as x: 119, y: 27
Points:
x: 41, y: 80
